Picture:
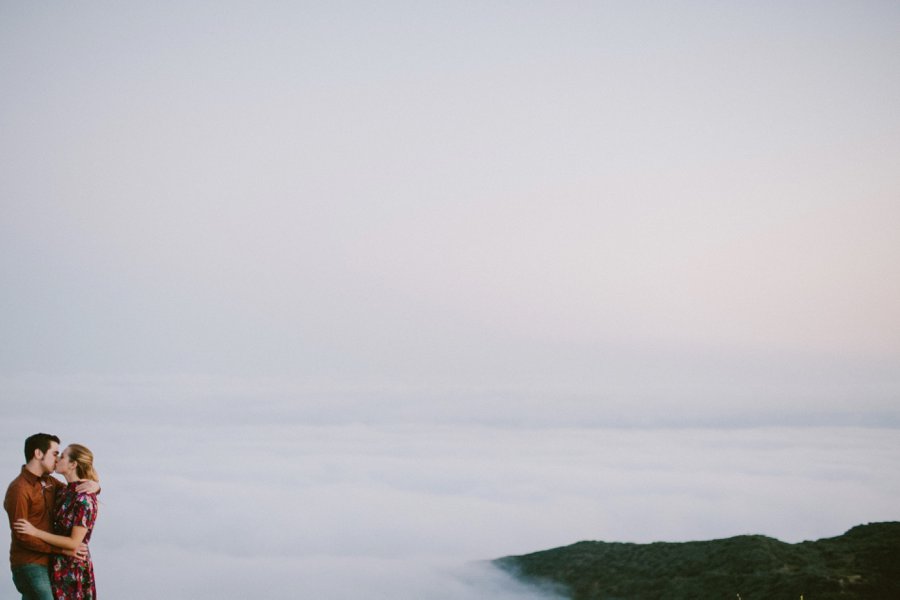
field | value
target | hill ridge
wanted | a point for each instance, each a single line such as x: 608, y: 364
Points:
x: 861, y: 564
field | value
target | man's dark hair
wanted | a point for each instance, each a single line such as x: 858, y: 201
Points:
x: 38, y: 441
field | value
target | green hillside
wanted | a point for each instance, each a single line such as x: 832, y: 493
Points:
x: 862, y: 564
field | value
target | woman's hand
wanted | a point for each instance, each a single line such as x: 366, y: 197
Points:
x: 23, y: 526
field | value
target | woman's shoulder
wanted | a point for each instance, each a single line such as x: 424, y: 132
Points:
x: 85, y: 498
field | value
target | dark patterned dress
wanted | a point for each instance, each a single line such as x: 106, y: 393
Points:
x: 73, y: 579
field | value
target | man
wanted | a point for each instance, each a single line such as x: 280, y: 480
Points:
x: 32, y: 496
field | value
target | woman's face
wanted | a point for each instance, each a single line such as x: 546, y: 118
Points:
x: 63, y: 465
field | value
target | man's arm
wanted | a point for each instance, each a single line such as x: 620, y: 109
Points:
x: 81, y: 553
x: 88, y: 487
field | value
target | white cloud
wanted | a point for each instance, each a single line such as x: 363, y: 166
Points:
x: 176, y: 573
x: 203, y: 489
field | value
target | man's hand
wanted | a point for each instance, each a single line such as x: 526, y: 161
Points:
x: 80, y: 554
x: 88, y: 487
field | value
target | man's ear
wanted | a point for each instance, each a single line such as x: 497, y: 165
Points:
x: 38, y: 454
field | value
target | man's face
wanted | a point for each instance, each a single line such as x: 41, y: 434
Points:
x: 48, y: 460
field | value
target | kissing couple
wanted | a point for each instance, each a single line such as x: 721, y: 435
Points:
x: 51, y: 521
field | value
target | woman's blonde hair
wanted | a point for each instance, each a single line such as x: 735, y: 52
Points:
x: 84, y: 462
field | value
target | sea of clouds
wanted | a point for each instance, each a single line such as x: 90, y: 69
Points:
x: 230, y: 491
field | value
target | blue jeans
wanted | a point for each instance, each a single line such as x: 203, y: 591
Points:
x: 33, y: 582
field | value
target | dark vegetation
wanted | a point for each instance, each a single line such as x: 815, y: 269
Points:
x: 862, y: 564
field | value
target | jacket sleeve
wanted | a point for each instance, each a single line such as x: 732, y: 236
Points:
x: 17, y: 508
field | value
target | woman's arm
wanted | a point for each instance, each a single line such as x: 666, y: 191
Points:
x: 69, y: 542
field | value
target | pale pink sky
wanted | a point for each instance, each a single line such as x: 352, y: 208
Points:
x: 483, y: 219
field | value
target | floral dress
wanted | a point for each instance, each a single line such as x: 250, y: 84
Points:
x: 73, y: 579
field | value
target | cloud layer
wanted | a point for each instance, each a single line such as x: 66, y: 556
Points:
x: 248, y: 496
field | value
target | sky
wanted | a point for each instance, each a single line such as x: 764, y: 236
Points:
x: 391, y: 289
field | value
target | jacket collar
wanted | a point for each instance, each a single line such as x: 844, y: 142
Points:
x: 32, y: 478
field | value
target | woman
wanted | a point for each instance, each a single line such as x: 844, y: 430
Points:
x: 71, y: 578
